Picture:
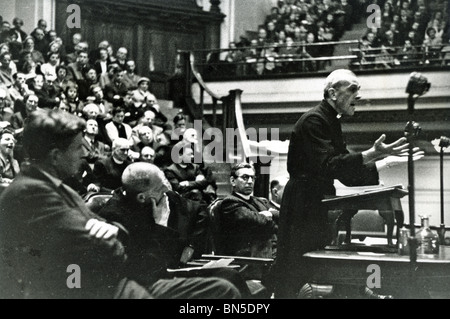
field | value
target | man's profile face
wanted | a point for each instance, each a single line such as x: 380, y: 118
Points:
x: 244, y: 182
x: 279, y: 194
x: 158, y: 190
x: 346, y: 96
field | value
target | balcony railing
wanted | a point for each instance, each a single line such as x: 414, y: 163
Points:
x: 302, y: 59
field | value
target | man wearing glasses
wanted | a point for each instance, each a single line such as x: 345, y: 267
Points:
x: 246, y: 225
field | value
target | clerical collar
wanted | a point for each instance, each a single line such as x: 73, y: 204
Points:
x: 117, y: 161
x: 338, y: 116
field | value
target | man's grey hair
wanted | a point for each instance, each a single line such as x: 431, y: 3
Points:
x: 336, y: 79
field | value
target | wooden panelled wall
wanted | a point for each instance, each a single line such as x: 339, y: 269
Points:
x: 152, y: 30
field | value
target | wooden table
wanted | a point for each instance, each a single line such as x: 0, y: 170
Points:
x: 430, y: 274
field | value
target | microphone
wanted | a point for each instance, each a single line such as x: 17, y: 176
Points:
x: 417, y: 84
x: 444, y: 142
x: 441, y: 144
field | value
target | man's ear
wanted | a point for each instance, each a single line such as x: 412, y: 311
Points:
x: 54, y: 156
x: 275, y: 192
x: 232, y: 181
x: 140, y: 198
x: 332, y: 93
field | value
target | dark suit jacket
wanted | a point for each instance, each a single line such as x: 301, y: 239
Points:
x: 241, y: 225
x: 17, y: 120
x: 153, y: 248
x: 176, y: 174
x: 93, y: 152
x: 108, y: 174
x: 43, y: 233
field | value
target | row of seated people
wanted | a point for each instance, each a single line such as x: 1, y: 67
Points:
x: 290, y: 16
x: 43, y: 50
x: 50, y: 231
x: 155, y: 226
x: 406, y: 37
x: 141, y: 231
x: 102, y: 166
x: 289, y: 25
x: 59, y: 85
x: 272, y: 58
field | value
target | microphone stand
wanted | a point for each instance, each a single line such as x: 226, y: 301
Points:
x: 443, y: 143
x: 411, y: 131
x: 442, y: 228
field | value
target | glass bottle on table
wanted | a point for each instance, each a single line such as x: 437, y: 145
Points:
x: 427, y: 240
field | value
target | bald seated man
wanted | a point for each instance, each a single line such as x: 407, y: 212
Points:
x: 161, y: 225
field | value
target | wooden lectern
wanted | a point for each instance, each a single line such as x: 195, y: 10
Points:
x: 386, y: 200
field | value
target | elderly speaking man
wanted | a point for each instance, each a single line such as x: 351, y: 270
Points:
x: 317, y: 155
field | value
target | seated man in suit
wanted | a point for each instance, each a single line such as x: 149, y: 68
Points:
x: 93, y: 149
x: 108, y: 171
x: 47, y: 230
x: 165, y: 230
x: 190, y: 180
x: 246, y: 221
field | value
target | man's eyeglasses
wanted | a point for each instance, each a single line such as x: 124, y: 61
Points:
x: 247, y: 177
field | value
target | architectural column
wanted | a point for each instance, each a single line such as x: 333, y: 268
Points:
x: 30, y: 11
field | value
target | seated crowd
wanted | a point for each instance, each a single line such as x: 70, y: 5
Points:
x: 80, y: 123
x: 411, y: 33
x: 125, y: 123
x: 299, y: 30
x: 147, y: 226
x: 291, y: 31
